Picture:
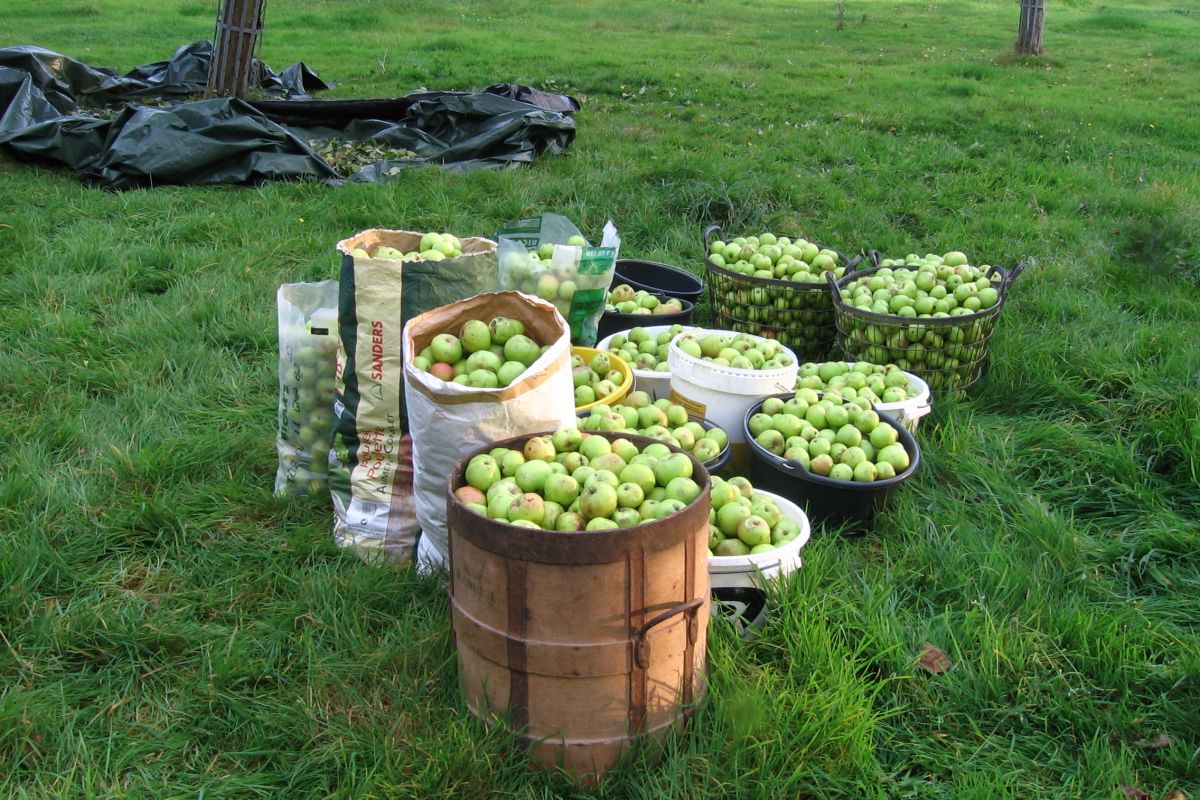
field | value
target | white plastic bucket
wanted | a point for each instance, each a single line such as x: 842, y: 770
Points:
x: 909, y: 412
x: 738, y: 581
x: 723, y: 394
x: 656, y: 384
x: 753, y: 570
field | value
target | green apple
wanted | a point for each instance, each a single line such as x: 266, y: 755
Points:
x: 539, y: 448
x: 598, y: 499
x: 482, y: 471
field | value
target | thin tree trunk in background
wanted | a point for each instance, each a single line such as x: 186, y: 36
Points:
x: 1029, y: 32
x: 239, y: 25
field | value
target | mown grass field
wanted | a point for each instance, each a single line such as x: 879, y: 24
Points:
x: 168, y: 628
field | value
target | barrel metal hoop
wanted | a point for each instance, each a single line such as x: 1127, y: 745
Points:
x: 518, y: 615
x: 638, y: 678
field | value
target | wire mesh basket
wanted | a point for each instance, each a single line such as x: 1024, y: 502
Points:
x: 798, y: 314
x: 948, y: 353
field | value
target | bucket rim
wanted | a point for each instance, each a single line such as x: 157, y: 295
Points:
x: 697, y: 365
x: 696, y: 281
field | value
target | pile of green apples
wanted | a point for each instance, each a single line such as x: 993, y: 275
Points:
x: 658, y: 419
x: 484, y: 355
x: 643, y: 350
x: 573, y: 480
x: 776, y: 258
x: 830, y: 435
x: 623, y: 299
x: 737, y: 351
x: 742, y: 522
x: 932, y: 287
x: 306, y: 416
x: 433, y: 247
x: 885, y: 383
x: 595, y: 379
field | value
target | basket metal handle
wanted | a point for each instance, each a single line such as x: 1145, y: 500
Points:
x: 1012, y: 275
x: 873, y: 257
x: 833, y: 289
x: 707, y: 233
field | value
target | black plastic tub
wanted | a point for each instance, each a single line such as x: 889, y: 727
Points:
x: 612, y: 322
x: 715, y: 464
x: 826, y: 500
x: 658, y: 278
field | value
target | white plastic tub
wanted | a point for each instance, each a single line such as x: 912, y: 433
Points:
x: 738, y: 581
x: 753, y: 570
x: 655, y: 384
x: 723, y: 394
x: 909, y: 412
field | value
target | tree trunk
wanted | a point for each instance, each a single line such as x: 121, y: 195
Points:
x: 239, y: 25
x: 1029, y: 33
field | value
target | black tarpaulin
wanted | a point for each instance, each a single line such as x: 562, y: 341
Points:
x: 99, y: 123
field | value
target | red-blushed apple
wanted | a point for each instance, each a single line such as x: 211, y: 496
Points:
x: 470, y: 494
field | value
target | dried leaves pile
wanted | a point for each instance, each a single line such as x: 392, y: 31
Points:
x: 347, y: 157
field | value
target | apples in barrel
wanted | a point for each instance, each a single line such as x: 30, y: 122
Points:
x: 573, y: 480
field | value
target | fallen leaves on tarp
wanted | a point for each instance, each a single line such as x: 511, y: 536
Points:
x: 348, y: 157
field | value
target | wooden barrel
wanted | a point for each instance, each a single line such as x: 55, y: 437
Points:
x: 583, y: 641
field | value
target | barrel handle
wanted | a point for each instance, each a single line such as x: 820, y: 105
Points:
x: 641, y: 647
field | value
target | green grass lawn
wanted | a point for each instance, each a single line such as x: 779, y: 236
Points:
x: 168, y: 628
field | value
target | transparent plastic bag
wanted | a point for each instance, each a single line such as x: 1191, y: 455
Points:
x: 308, y: 340
x: 547, y: 257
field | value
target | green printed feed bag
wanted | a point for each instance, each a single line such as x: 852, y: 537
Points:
x: 548, y: 257
x: 372, y: 470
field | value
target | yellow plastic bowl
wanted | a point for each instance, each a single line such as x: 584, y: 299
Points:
x: 619, y: 364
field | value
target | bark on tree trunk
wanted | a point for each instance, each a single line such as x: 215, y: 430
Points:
x: 239, y: 25
x: 1029, y: 32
